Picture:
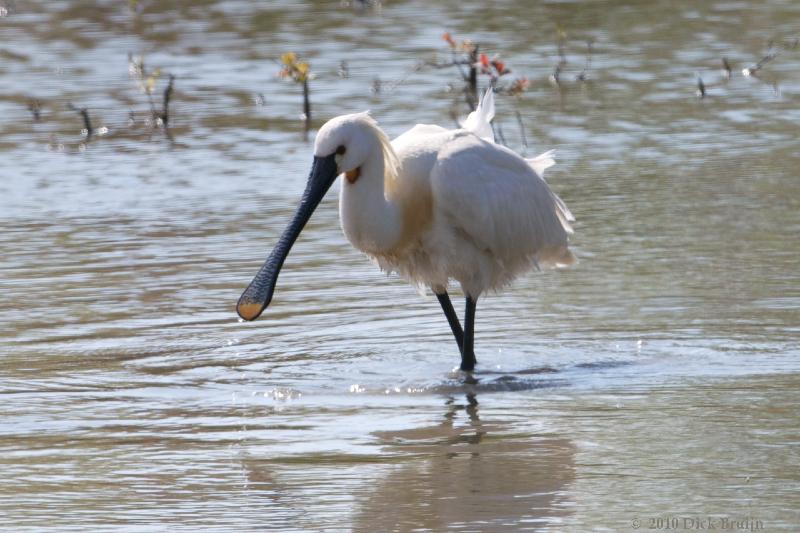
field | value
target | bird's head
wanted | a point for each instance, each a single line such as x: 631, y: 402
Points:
x: 342, y: 145
x: 350, y: 139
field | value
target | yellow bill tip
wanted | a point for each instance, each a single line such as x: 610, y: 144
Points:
x: 249, y: 311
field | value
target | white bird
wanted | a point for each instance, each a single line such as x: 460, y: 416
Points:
x: 432, y: 205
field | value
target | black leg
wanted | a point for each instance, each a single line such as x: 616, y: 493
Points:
x: 452, y: 318
x: 467, y: 353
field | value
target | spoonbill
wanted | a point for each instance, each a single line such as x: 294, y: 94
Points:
x: 432, y: 205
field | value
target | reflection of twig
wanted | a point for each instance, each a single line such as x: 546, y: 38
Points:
x: 701, y: 88
x: 84, y: 112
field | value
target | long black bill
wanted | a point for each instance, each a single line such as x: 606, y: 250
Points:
x: 258, y: 294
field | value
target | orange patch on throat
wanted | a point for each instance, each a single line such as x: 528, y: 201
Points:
x: 353, y: 175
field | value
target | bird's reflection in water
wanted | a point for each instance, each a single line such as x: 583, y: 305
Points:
x: 466, y: 472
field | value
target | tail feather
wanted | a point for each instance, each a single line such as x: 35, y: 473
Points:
x: 564, y: 215
x: 542, y: 162
x: 564, y: 209
x: 479, y: 121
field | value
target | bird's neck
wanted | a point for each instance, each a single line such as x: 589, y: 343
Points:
x: 371, y: 221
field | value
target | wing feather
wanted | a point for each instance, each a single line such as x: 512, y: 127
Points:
x: 493, y: 197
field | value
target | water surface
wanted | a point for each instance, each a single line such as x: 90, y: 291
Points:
x: 657, y: 378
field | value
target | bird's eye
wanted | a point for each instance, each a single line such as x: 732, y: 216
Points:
x: 341, y: 150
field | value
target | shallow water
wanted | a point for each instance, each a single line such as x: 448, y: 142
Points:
x: 657, y: 379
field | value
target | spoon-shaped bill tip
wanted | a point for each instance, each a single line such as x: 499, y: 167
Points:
x: 258, y: 294
x: 249, y: 310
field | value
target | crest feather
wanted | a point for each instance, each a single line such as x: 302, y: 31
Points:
x: 390, y: 162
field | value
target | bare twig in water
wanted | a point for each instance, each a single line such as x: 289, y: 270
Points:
x: 753, y: 70
x: 363, y: 5
x: 517, y: 87
x: 454, y: 117
x: 306, y: 103
x: 147, y: 81
x: 467, y: 54
x: 457, y: 63
x: 701, y: 87
x: 35, y: 107
x: 726, y: 68
x: 499, y: 130
x: 555, y: 77
x: 344, y: 69
x: 560, y: 43
x: 167, y: 96
x: 472, y: 81
x: 8, y: 8
x: 83, y: 112
x: 389, y: 87
x: 771, y: 54
x: 299, y: 72
x: 774, y: 49
x: 469, y: 58
x: 584, y: 75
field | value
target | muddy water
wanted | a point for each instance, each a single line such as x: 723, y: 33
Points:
x: 656, y: 380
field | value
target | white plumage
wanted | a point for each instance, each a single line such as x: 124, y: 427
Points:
x: 456, y: 205
x: 433, y: 205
